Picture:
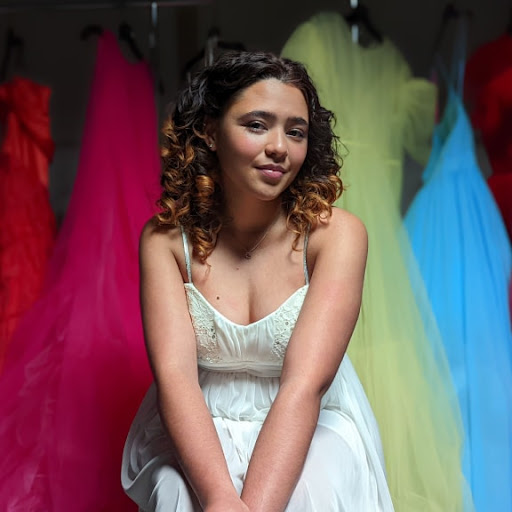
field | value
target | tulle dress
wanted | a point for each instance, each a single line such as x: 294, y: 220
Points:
x: 77, y: 369
x: 463, y: 250
x: 239, y: 368
x: 381, y: 109
x: 27, y: 232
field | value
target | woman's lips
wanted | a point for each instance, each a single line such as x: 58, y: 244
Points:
x: 273, y: 172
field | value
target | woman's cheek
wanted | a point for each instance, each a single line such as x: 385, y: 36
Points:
x: 298, y: 155
x: 250, y: 146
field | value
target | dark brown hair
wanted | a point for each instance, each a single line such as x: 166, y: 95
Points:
x: 192, y: 192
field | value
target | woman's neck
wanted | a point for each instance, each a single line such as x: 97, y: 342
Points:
x: 249, y: 218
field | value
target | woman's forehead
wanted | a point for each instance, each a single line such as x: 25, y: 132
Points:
x: 273, y: 95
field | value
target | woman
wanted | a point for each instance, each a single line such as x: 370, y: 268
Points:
x: 250, y: 289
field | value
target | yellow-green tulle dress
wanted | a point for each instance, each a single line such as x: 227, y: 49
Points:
x: 381, y: 109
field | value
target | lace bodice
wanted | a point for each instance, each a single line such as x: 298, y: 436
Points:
x: 257, y: 348
x: 240, y: 365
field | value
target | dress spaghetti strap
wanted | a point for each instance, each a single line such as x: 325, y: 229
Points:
x: 305, y: 256
x: 187, y: 255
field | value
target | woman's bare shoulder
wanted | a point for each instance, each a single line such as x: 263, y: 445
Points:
x: 341, y: 229
x: 338, y: 239
x: 157, y: 238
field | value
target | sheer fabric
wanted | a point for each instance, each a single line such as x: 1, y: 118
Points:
x: 381, y: 109
x: 510, y: 298
x: 78, y: 370
x: 27, y: 221
x: 465, y: 258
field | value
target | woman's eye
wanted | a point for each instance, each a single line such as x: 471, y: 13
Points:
x: 255, y: 126
x: 299, y: 134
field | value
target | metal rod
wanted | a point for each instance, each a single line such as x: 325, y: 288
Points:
x: 15, y: 6
x: 355, y: 27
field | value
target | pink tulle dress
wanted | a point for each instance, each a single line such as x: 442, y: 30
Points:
x: 77, y: 369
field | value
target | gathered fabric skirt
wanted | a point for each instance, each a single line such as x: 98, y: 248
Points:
x: 343, y: 471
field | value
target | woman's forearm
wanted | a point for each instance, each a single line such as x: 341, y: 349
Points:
x: 190, y: 426
x: 281, y: 449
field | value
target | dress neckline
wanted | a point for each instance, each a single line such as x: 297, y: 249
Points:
x: 251, y: 324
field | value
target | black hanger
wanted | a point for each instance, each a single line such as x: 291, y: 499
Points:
x: 126, y: 34
x: 450, y: 12
x: 12, y: 42
x: 213, y: 42
x: 359, y: 16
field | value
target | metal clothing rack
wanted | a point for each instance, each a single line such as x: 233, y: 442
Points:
x: 16, y: 6
x: 19, y: 5
x: 354, y: 29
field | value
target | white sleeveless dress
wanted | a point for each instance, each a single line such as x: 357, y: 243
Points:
x: 239, y: 369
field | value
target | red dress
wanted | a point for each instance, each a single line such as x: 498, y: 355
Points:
x: 27, y: 221
x: 488, y: 92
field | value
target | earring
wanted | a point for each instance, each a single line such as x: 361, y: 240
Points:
x: 210, y: 145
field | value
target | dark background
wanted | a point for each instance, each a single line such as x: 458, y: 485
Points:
x: 54, y: 54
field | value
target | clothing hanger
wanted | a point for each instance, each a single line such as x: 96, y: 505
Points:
x: 207, y: 53
x: 360, y: 17
x: 452, y: 75
x: 12, y: 43
x: 125, y: 33
x: 450, y: 12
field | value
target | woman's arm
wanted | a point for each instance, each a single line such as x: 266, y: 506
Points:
x: 171, y: 348
x: 314, y: 353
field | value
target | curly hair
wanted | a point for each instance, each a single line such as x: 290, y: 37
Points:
x: 192, y: 190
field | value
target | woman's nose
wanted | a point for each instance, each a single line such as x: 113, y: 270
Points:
x: 277, y: 147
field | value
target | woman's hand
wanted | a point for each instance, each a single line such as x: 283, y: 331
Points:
x: 234, y: 504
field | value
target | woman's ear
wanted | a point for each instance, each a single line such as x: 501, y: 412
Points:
x: 210, y: 133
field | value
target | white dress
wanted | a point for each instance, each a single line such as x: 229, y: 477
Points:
x: 239, y: 368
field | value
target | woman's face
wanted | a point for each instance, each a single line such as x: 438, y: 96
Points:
x: 262, y: 140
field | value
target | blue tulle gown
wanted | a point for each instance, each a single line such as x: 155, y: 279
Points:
x: 464, y: 255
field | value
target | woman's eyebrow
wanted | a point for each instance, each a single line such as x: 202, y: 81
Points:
x: 299, y: 120
x: 269, y: 116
